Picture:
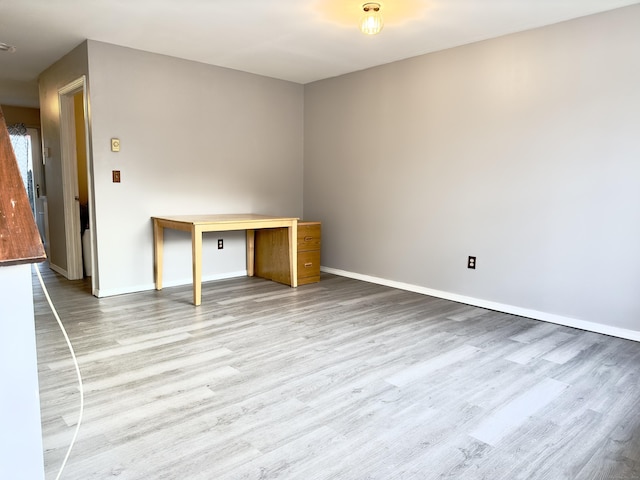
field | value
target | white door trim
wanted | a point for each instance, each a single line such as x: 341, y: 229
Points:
x: 70, y: 178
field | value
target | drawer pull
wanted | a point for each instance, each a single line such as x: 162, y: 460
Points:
x: 308, y: 239
x: 308, y: 264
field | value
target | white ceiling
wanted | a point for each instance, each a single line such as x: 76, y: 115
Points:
x: 297, y: 40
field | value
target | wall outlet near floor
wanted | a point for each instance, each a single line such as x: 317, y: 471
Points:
x: 471, y: 263
x: 220, y: 244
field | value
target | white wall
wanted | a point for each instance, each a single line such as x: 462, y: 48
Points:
x: 194, y: 139
x: 21, y: 453
x: 523, y: 151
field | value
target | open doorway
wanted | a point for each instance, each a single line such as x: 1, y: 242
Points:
x: 77, y: 181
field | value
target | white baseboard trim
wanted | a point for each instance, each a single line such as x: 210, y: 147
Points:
x: 59, y: 270
x: 501, y: 307
x: 174, y: 283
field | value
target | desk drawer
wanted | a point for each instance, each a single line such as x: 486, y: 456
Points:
x: 308, y: 236
x: 308, y: 267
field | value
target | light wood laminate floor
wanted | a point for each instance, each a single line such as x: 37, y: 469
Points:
x: 336, y: 380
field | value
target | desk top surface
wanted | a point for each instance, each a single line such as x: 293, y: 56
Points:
x: 19, y: 238
x: 223, y: 218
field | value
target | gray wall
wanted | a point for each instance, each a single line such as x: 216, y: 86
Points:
x: 194, y: 139
x: 69, y: 68
x: 523, y: 151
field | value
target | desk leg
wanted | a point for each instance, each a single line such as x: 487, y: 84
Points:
x: 293, y: 253
x: 196, y: 258
x: 251, y: 252
x: 158, y: 245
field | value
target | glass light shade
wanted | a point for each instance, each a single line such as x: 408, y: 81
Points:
x: 371, y: 22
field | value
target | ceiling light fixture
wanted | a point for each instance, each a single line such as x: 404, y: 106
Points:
x: 371, y: 22
x: 5, y: 47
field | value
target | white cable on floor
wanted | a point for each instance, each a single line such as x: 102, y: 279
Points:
x: 75, y: 362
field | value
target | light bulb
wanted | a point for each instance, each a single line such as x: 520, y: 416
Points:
x: 371, y: 22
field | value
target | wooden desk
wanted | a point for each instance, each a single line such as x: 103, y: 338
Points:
x: 197, y: 224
